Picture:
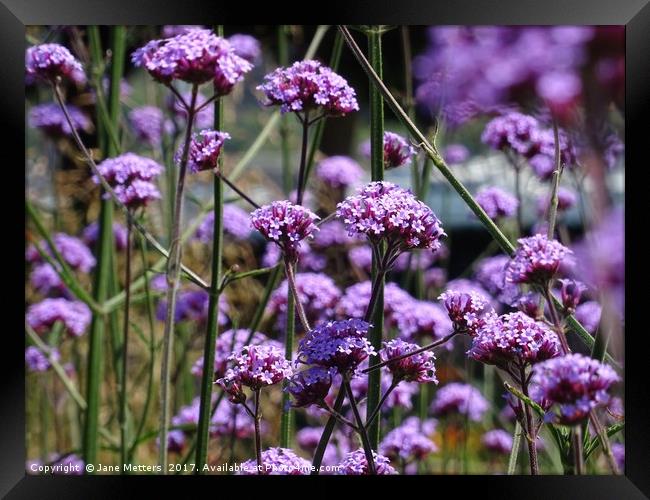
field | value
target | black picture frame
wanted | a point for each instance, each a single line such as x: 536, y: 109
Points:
x: 634, y: 14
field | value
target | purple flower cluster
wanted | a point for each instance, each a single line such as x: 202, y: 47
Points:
x: 50, y: 61
x: 277, y: 462
x: 515, y: 339
x: 246, y: 46
x: 466, y: 71
x: 204, y: 151
x: 38, y: 361
x: 336, y: 344
x: 496, y: 202
x: 149, y: 124
x: 131, y: 178
x: 385, y: 211
x: 74, y: 315
x: 458, y: 398
x: 331, y: 233
x: 227, y: 343
x: 355, y: 300
x: 311, y: 386
x: 576, y: 383
x: 256, y: 366
x: 570, y: 293
x: 419, y: 318
x: 588, y: 313
x: 339, y: 171
x: 49, y: 119
x: 408, y: 442
x: 236, y: 223
x: 46, y: 280
x: 317, y: 292
x: 74, y: 252
x: 397, y: 150
x: 196, y: 56
x: 416, y: 368
x: 513, y: 131
x: 537, y: 259
x: 192, y: 305
x: 355, y: 464
x: 90, y: 235
x: 468, y: 311
x: 491, y: 275
x: 306, y: 86
x: 172, y: 30
x: 497, y: 441
x: 286, y: 225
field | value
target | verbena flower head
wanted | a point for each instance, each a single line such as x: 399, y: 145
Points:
x: 491, y: 275
x: 455, y: 154
x: 415, y: 368
x: 258, y: 366
x: 73, y: 250
x: 537, y: 259
x: 588, y: 313
x: 407, y: 442
x: 49, y: 119
x: 192, y: 305
x: 196, y: 56
x: 514, y: 338
x: 354, y: 302
x: 278, y: 462
x: 310, y: 386
x: 317, y: 292
x: 385, y: 211
x: 497, y: 441
x: 38, y: 361
x: 228, y: 343
x: 236, y: 223
x: 131, y: 177
x: 575, y: 383
x: 45, y: 280
x: 286, y: 225
x: 339, y: 171
x: 246, y: 46
x: 148, y: 123
x: 331, y: 233
x: 50, y: 61
x: 468, y: 311
x: 496, y: 202
x: 355, y: 464
x: 419, y: 318
x: 204, y: 151
x: 336, y: 344
x: 90, y: 235
x: 307, y: 86
x: 171, y: 30
x: 513, y: 131
x: 74, y: 315
x: 457, y: 398
x: 397, y: 150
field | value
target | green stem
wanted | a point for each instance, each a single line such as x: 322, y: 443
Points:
x: 125, y: 345
x: 557, y: 174
x: 286, y: 419
x: 514, y: 452
x: 377, y: 174
x: 173, y: 280
x: 327, y: 433
x: 203, y: 433
x: 361, y: 429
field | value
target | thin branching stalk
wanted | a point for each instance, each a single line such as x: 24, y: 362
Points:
x: 604, y: 441
x: 327, y: 433
x: 203, y: 432
x: 530, y: 428
x: 173, y: 280
x: 300, y: 310
x: 361, y: 428
x: 576, y: 445
x: 303, y: 157
x: 514, y: 452
x: 376, y: 411
x: 124, y: 446
x: 258, y: 435
x: 557, y: 175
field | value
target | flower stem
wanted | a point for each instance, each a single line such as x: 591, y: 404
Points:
x: 286, y: 418
x: 604, y: 441
x: 376, y: 411
x: 576, y: 442
x: 327, y: 433
x: 555, y: 318
x: 531, y: 437
x: 291, y: 280
x: 514, y: 452
x: 173, y: 280
x: 557, y: 175
x: 212, y: 323
x: 361, y: 429
x: 258, y: 438
x: 124, y: 447
x: 303, y: 157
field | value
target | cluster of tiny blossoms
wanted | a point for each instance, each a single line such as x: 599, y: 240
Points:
x: 286, y: 225
x: 310, y: 386
x: 50, y: 119
x: 204, y: 151
x: 235, y: 220
x: 409, y: 441
x: 74, y: 315
x: 416, y: 368
x: 196, y: 56
x: 467, y: 311
x: 464, y: 399
x: 385, y: 211
x: 339, y: 171
x: 497, y: 441
x: 50, y: 61
x: 356, y: 464
x: 337, y: 344
x: 514, y: 338
x: 255, y: 366
x: 397, y: 151
x: 496, y: 202
x: 131, y: 176
x: 73, y: 251
x: 576, y: 383
x: 148, y: 123
x: 537, y: 259
x: 306, y: 86
x: 277, y: 462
